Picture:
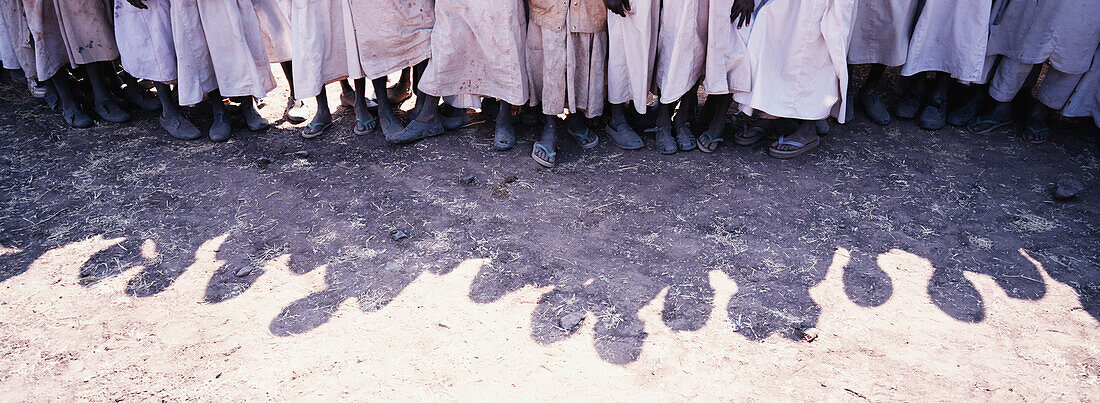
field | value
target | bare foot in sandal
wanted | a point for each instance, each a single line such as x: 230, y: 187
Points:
x: 799, y: 142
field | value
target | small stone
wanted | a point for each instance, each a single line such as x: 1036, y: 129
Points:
x: 244, y: 271
x: 810, y: 334
x: 301, y: 154
x: 571, y: 321
x: 398, y: 235
x: 1067, y: 188
x: 264, y: 160
x: 468, y: 179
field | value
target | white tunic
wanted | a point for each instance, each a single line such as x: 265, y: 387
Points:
x: 681, y: 47
x: 274, y: 16
x: 7, y: 50
x: 477, y: 48
x: 1063, y: 31
x: 728, y: 69
x: 320, y: 51
x: 632, y: 51
x: 881, y: 31
x: 1085, y: 100
x: 145, y: 40
x: 950, y: 36
x: 76, y: 32
x: 799, y: 55
x: 384, y: 36
x: 15, y: 22
x: 219, y: 46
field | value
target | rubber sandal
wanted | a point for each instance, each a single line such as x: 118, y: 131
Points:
x: 624, y: 137
x: 361, y: 126
x: 993, y: 125
x: 707, y: 139
x: 313, y: 130
x: 666, y: 143
x: 587, y: 139
x: 549, y: 162
x: 788, y: 154
x: 742, y: 140
x: 685, y: 138
x: 1036, y: 132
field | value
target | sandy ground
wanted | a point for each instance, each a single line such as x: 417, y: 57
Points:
x: 891, y: 264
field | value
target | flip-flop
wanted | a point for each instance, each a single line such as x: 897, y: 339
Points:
x: 313, y: 130
x: 549, y: 162
x: 1036, y: 132
x: 993, y: 125
x: 788, y: 154
x: 360, y: 128
x: 587, y: 139
x: 759, y: 133
x: 706, y: 140
x: 685, y: 138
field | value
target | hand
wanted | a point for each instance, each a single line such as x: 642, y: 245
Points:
x: 620, y: 7
x: 138, y: 4
x: 741, y: 14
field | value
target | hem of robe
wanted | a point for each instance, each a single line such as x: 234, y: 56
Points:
x: 394, y: 68
x: 314, y: 92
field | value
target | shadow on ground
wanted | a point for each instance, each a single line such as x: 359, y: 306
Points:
x: 607, y: 229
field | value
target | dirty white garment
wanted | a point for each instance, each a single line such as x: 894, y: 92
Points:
x: 799, y: 55
x: 463, y: 101
x: 1066, y: 32
x: 384, y: 36
x: 320, y: 52
x: 274, y: 16
x: 477, y: 47
x: 7, y: 50
x: 950, y: 36
x: 145, y: 40
x: 19, y: 33
x: 727, y: 69
x: 881, y: 31
x: 567, y: 70
x: 219, y: 46
x: 681, y: 47
x: 1085, y: 100
x: 75, y: 32
x: 632, y: 51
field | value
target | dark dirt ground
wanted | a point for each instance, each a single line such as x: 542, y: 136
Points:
x: 607, y: 229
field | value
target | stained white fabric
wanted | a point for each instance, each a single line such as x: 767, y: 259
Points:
x: 219, y: 46
x: 7, y: 50
x: 798, y: 50
x: 19, y: 33
x: 50, y: 53
x: 567, y: 70
x: 1085, y: 100
x: 274, y: 17
x: 632, y: 53
x: 144, y: 40
x: 727, y: 69
x: 1065, y: 32
x: 384, y: 36
x: 320, y: 50
x: 1056, y: 88
x: 881, y: 31
x: 950, y: 36
x: 477, y: 47
x: 681, y: 47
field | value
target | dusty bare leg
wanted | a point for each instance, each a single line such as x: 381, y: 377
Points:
x: 104, y: 106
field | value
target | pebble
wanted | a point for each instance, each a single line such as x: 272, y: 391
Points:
x: 1067, y: 188
x: 244, y: 271
x: 571, y: 321
x: 468, y: 179
x: 398, y: 235
x: 301, y: 154
x: 810, y: 334
x: 264, y: 160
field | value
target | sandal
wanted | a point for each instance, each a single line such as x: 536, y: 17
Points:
x: 587, y: 139
x: 624, y: 136
x: 666, y: 144
x: 709, y: 142
x: 751, y: 135
x: 775, y: 152
x: 313, y: 130
x: 416, y: 130
x: 362, y: 127
x: 685, y: 138
x: 985, y: 126
x: 550, y: 155
x: 1039, y: 135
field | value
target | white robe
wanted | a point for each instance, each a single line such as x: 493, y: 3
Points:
x: 477, y: 48
x: 76, y: 32
x: 681, y: 47
x: 274, y: 16
x: 15, y: 23
x: 384, y: 36
x: 799, y: 55
x: 145, y: 40
x: 951, y: 36
x: 881, y: 31
x: 1085, y: 100
x: 219, y: 46
x: 567, y: 70
x: 727, y: 68
x: 7, y: 50
x: 320, y: 50
x: 1065, y: 32
x: 632, y: 51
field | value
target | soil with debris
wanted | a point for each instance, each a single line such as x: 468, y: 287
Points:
x: 603, y: 235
